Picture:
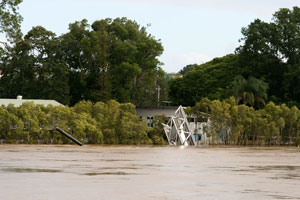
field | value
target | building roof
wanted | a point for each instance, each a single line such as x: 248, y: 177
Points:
x: 19, y: 102
x: 168, y: 111
x: 152, y: 111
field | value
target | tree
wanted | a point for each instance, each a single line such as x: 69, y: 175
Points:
x: 35, y: 68
x: 291, y: 128
x: 157, y: 134
x: 10, y: 19
x: 220, y: 115
x: 131, y: 129
x: 271, y: 52
x: 114, y: 59
x: 249, y: 90
x: 275, y: 123
x: 210, y: 80
x: 86, y: 53
x: 187, y: 68
x: 11, y: 128
x: 28, y: 113
x: 133, y: 59
x: 10, y: 25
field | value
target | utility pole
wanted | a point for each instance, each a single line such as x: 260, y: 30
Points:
x: 158, y: 93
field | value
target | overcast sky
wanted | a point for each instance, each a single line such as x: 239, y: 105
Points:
x: 191, y: 31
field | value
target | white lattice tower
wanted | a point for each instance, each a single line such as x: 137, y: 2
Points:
x: 177, y: 129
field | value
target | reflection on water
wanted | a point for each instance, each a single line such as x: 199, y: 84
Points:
x: 69, y: 172
x: 277, y: 167
x: 107, y: 173
x: 24, y: 170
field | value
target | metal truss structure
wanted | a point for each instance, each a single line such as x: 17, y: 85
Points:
x: 177, y: 129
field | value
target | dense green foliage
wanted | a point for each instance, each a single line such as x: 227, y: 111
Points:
x: 115, y: 123
x: 157, y: 134
x: 99, y: 123
x: 249, y: 90
x: 10, y: 19
x: 187, y: 68
x: 272, y: 125
x: 270, y: 53
x: 212, y: 79
x: 110, y: 59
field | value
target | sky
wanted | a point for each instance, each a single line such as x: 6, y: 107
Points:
x: 191, y: 31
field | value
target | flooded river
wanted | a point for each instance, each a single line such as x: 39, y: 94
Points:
x: 69, y: 172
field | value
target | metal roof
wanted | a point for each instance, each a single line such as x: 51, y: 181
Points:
x: 168, y: 111
x: 19, y: 102
x: 152, y: 111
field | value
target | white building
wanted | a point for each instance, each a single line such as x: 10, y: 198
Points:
x: 198, y: 127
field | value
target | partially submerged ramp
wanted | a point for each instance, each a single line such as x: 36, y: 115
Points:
x: 68, y: 136
x: 177, y: 129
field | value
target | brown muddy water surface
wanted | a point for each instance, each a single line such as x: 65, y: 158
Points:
x: 69, y: 172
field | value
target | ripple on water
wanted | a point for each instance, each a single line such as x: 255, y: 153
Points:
x: 30, y: 170
x: 276, y: 167
x: 277, y: 171
x: 270, y: 168
x: 270, y: 194
x: 107, y: 173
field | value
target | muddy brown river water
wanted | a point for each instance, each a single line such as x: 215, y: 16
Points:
x: 69, y: 172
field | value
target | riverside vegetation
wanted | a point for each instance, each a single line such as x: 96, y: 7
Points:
x: 100, y: 123
x: 116, y: 123
x: 243, y: 125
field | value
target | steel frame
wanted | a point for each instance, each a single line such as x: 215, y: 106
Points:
x: 177, y: 129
